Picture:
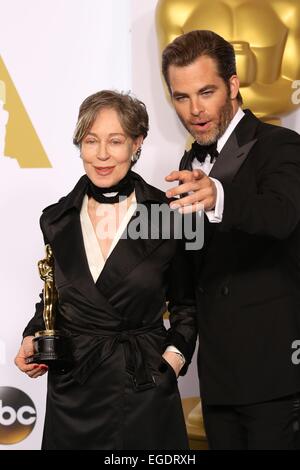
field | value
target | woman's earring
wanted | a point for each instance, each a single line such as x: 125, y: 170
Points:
x: 136, y: 155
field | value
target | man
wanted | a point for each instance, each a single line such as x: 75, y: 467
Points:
x: 246, y: 176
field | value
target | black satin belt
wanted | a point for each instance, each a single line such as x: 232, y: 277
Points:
x: 102, y: 350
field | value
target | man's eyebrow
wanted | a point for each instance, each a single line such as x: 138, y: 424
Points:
x: 179, y: 93
x: 207, y: 87
x: 201, y: 90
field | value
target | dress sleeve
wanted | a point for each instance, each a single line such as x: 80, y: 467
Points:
x: 182, y: 306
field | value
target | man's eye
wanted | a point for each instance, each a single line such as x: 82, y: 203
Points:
x: 207, y: 93
x: 180, y: 98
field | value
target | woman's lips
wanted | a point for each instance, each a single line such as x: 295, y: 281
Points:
x: 104, y: 170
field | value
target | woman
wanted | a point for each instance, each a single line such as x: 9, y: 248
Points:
x: 122, y: 390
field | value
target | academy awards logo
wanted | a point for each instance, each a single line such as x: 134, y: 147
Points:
x: 17, y: 415
x: 19, y: 141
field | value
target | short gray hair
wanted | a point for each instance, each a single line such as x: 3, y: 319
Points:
x: 131, y: 111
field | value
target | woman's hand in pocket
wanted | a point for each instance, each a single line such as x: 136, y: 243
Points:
x: 174, y: 360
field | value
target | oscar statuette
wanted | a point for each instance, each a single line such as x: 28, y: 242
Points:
x: 50, y: 346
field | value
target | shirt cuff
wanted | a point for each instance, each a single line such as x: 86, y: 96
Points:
x: 215, y: 215
x: 175, y: 350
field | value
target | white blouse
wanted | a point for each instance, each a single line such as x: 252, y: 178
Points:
x: 93, y: 251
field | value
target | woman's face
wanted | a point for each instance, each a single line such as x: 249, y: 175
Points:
x: 106, y: 150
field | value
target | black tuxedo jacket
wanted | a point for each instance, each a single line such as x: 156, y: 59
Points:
x: 248, y: 273
x: 118, y: 395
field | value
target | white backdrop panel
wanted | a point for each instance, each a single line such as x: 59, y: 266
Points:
x: 57, y: 53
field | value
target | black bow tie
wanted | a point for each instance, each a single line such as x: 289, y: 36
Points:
x: 201, y: 151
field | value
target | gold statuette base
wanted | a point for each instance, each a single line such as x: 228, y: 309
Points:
x: 52, y: 349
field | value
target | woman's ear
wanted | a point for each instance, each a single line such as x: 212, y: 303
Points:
x: 138, y: 143
x: 137, y: 149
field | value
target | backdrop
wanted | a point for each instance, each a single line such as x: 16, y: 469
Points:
x: 53, y: 55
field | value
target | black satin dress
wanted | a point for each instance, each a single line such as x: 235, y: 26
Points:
x: 120, y: 394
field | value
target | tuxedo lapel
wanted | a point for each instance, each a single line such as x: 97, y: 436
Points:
x: 236, y: 149
x: 231, y: 159
x: 234, y: 152
x: 185, y: 163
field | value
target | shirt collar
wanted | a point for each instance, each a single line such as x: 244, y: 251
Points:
x: 143, y: 193
x: 232, y: 125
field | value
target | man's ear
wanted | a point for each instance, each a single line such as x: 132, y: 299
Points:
x: 234, y: 84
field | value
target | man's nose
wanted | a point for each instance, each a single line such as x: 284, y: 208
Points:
x: 196, y: 107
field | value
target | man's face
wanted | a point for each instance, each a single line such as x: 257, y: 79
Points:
x: 203, y: 102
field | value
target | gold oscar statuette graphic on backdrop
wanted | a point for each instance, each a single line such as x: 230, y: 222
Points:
x: 21, y: 140
x: 265, y: 35
x: 50, y: 346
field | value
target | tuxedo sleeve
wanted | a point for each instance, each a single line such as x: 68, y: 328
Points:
x: 183, y: 332
x: 272, y: 208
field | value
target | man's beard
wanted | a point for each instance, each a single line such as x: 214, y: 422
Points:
x: 225, y: 117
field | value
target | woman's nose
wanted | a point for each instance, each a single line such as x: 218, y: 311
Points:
x: 102, y: 153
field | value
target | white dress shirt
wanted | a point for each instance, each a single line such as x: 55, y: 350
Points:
x: 215, y: 215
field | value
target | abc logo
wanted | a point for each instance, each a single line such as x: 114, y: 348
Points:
x: 17, y: 415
